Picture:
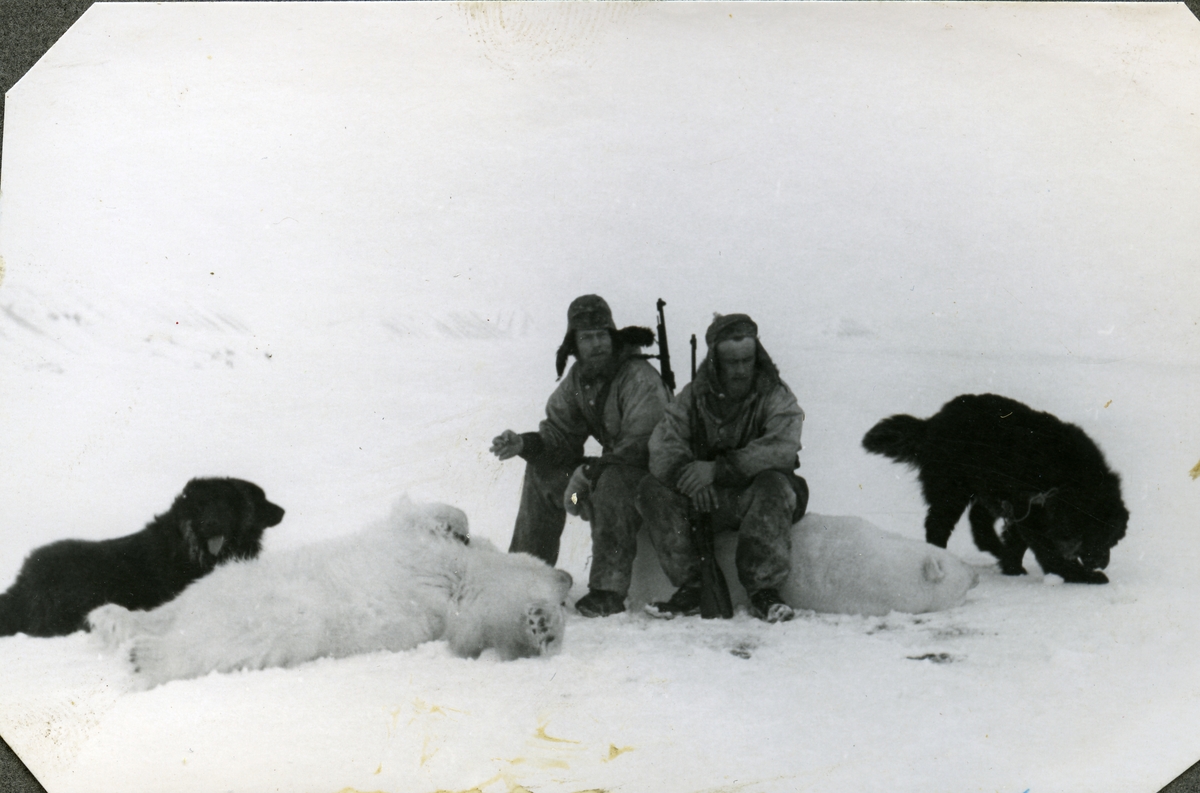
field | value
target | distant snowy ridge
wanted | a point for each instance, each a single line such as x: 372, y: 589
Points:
x: 973, y: 335
x: 42, y: 334
x: 45, y: 334
x: 503, y: 324
x: 49, y: 334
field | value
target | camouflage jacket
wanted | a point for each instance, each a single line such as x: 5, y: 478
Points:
x: 760, y: 433
x: 620, y: 414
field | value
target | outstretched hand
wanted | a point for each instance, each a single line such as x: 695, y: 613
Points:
x: 507, y: 444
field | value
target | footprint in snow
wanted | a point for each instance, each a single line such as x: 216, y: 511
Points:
x: 937, y: 658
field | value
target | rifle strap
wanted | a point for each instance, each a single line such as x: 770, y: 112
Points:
x: 700, y: 447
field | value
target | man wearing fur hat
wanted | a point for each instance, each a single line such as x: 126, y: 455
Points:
x: 728, y: 446
x: 615, y: 396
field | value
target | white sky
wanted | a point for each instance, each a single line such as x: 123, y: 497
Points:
x: 993, y: 175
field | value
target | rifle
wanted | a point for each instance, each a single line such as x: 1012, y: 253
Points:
x: 664, y: 352
x: 693, y: 356
x: 714, y: 590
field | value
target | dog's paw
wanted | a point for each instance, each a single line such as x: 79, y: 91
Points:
x: 1088, y: 577
x: 1074, y: 573
x: 111, y: 625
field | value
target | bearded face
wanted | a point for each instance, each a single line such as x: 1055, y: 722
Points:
x: 735, y: 367
x: 594, y: 349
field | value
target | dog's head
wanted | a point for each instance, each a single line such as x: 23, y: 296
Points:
x: 1085, y: 525
x: 1107, y: 528
x: 222, y: 519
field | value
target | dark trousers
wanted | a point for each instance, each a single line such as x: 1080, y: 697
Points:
x: 762, y: 513
x: 615, y: 520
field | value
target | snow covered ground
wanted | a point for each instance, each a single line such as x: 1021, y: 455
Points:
x: 1028, y: 685
x: 153, y: 327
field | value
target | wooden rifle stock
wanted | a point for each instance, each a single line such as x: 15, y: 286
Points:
x: 714, y: 591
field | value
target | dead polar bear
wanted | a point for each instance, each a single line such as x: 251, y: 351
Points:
x: 406, y: 580
x: 846, y: 565
x: 840, y: 565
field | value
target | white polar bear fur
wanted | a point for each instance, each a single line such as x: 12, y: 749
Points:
x: 406, y: 580
x: 840, y: 565
x: 847, y: 565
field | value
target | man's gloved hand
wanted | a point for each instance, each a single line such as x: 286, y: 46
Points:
x: 696, y: 482
x: 705, y: 499
x: 507, y: 444
x: 577, y: 498
x: 695, y: 477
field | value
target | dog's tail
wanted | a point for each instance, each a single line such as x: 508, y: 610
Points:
x: 898, y: 437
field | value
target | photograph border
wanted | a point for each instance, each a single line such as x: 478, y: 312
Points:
x: 28, y: 29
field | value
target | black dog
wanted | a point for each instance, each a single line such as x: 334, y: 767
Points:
x: 1043, y: 477
x: 212, y: 521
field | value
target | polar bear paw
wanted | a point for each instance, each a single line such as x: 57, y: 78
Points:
x: 152, y: 661
x: 543, y: 627
x: 111, y: 624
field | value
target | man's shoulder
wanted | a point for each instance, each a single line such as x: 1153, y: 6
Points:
x: 779, y: 396
x: 782, y: 386
x: 638, y: 370
x: 570, y: 380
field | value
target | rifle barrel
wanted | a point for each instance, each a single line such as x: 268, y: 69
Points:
x: 664, y: 351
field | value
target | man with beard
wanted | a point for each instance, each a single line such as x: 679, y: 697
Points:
x: 728, y: 446
x: 615, y: 396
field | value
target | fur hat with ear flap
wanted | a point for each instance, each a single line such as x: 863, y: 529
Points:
x: 591, y: 312
x: 729, y: 327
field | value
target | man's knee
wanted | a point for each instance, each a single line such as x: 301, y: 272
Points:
x: 614, y: 495
x: 618, y: 482
x: 546, y: 477
x: 654, y: 499
x: 774, y: 491
x: 800, y: 485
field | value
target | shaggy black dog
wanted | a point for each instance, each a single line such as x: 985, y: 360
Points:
x: 1043, y: 477
x: 213, y: 520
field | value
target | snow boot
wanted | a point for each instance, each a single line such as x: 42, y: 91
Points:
x: 767, y: 605
x: 600, y: 603
x: 684, y: 603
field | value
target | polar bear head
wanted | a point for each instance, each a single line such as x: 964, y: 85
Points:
x: 513, y: 603
x: 441, y: 520
x: 445, y: 520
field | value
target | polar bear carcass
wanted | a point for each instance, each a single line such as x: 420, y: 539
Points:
x: 840, y: 565
x: 412, y: 578
x: 846, y: 565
